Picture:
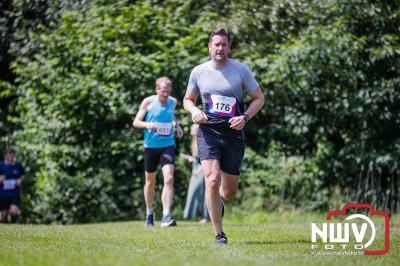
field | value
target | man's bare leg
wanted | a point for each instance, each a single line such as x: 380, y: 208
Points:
x: 14, y: 212
x: 229, y: 186
x: 212, y: 175
x: 167, y: 195
x: 168, y: 190
x: 149, y: 189
x: 4, y: 216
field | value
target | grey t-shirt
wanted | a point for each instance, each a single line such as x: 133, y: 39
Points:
x: 222, y: 93
x: 230, y: 80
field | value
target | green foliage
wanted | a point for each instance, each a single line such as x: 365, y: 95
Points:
x: 339, y: 93
x: 7, y: 98
x: 277, y: 181
x: 18, y: 19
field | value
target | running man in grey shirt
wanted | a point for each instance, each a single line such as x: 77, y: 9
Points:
x: 221, y: 83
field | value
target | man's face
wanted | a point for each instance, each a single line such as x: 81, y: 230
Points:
x: 219, y: 48
x: 9, y: 157
x: 164, y: 90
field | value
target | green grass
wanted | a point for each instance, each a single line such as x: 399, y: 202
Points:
x: 276, y: 240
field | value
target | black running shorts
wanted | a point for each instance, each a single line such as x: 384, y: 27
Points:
x: 228, y: 150
x: 7, y: 201
x: 155, y: 156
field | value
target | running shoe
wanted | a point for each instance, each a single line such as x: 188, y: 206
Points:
x: 221, y: 239
x: 168, y: 221
x: 149, y: 221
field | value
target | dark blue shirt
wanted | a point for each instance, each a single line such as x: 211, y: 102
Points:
x: 12, y: 173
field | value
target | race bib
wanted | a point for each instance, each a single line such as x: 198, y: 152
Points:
x: 222, y: 105
x: 9, y: 184
x: 164, y: 129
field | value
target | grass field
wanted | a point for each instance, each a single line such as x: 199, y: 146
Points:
x: 269, y: 240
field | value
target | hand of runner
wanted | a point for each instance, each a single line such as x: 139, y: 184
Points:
x: 199, y: 117
x: 179, y: 131
x: 237, y: 122
x: 187, y: 157
x: 2, y: 177
x: 151, y: 126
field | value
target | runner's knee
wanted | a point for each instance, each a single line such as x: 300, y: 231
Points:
x: 150, y: 181
x: 169, y: 180
x: 228, y: 194
x: 14, y: 210
x: 213, y: 182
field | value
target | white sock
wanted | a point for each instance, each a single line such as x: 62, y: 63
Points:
x: 149, y: 211
x: 165, y: 213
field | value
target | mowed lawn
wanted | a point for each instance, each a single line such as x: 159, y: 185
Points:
x: 277, y: 240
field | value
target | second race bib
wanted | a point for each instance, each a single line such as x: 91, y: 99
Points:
x: 222, y: 105
x: 9, y: 184
x: 164, y: 129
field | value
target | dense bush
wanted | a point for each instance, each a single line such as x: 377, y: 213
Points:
x: 18, y: 20
x: 277, y: 181
x: 340, y: 75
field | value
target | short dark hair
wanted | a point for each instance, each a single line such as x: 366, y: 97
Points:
x: 9, y: 151
x: 221, y: 32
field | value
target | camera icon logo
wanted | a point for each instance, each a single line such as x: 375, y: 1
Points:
x: 335, y: 236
